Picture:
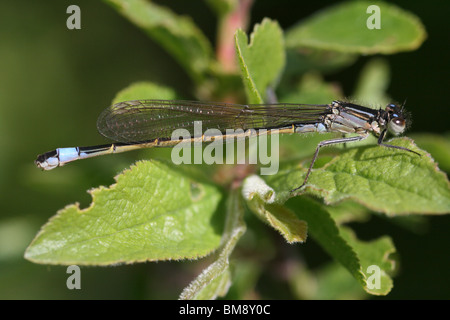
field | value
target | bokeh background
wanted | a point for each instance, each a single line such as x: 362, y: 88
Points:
x: 54, y: 83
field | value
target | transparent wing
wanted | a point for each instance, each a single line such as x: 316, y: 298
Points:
x: 143, y: 120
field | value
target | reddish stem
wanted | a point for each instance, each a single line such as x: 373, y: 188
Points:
x: 237, y: 18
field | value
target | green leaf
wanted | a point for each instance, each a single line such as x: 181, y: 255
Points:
x: 386, y: 180
x: 314, y: 90
x: 377, y: 253
x: 177, y: 34
x: 246, y: 274
x: 260, y: 198
x: 15, y: 234
x: 261, y: 61
x: 325, y: 231
x: 355, y: 255
x: 215, y: 280
x: 330, y: 282
x: 348, y: 211
x: 153, y: 212
x: 144, y: 90
x: 373, y: 83
x: 302, y: 60
x: 437, y: 145
x: 344, y: 28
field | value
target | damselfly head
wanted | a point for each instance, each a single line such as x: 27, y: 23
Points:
x: 396, y: 119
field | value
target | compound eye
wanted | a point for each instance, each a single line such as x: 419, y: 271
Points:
x: 397, y: 126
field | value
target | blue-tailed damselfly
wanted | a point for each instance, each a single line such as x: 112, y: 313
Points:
x: 149, y: 123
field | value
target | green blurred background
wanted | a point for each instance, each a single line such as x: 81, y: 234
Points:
x: 54, y: 82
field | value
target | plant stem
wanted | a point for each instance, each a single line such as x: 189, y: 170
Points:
x: 230, y: 22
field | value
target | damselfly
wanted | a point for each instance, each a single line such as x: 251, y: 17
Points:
x: 149, y: 123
